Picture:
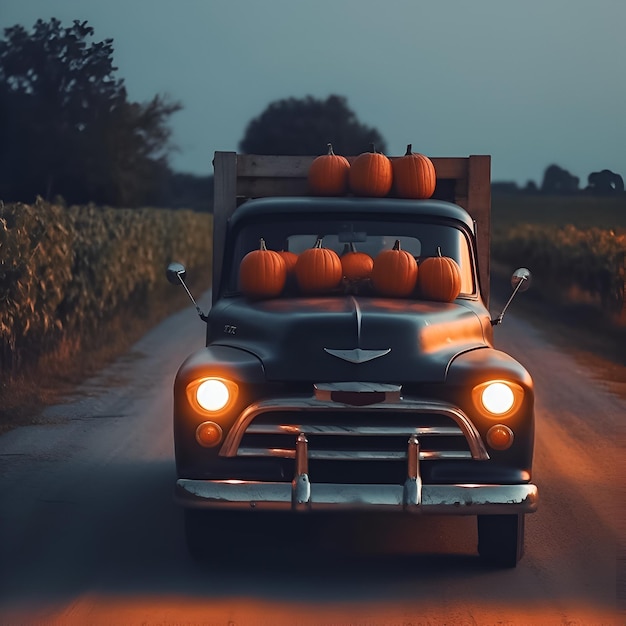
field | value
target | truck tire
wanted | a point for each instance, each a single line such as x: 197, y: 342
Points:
x: 501, y: 539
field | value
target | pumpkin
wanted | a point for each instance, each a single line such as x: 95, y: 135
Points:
x: 439, y: 278
x: 371, y: 174
x: 413, y: 175
x: 328, y: 174
x: 262, y: 273
x: 394, y: 272
x: 318, y: 269
x: 356, y: 265
x: 290, y: 259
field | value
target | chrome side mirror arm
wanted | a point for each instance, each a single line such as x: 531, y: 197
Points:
x: 520, y: 281
x: 175, y: 274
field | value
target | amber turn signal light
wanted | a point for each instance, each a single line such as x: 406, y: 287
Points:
x: 500, y: 437
x: 208, y: 434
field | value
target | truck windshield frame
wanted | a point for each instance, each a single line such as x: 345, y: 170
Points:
x: 422, y: 238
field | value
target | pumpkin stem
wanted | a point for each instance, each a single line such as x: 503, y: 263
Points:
x: 330, y: 149
x: 318, y: 244
x: 409, y: 149
x: 396, y: 246
x: 372, y: 148
x: 438, y: 251
x: 262, y: 245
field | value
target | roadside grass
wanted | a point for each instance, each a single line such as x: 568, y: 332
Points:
x: 24, y: 396
x: 579, y: 328
x: 578, y: 325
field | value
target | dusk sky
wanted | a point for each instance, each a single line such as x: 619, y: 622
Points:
x: 531, y: 83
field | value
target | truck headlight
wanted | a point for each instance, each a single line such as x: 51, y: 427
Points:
x: 211, y: 395
x: 497, y: 398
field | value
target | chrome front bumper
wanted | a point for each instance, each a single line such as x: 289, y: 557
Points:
x: 412, y: 496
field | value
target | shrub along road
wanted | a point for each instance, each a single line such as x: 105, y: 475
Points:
x: 89, y: 532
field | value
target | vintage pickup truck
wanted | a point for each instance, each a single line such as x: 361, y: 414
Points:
x: 349, y: 399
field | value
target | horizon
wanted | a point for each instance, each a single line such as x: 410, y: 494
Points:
x: 531, y: 85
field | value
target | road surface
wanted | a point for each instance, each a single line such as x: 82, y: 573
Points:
x: 89, y: 533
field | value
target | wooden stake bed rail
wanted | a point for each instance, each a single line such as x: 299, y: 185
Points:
x: 466, y: 181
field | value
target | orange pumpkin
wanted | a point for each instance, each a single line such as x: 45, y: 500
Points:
x: 290, y: 259
x: 356, y: 265
x: 318, y: 269
x: 414, y: 175
x: 262, y: 273
x: 394, y: 272
x: 328, y: 174
x: 439, y: 278
x: 371, y: 174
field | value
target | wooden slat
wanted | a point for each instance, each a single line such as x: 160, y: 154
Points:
x: 268, y: 175
x: 225, y: 203
x: 269, y: 166
x: 261, y: 187
x: 479, y: 207
x: 258, y: 166
x: 262, y: 165
x: 450, y: 167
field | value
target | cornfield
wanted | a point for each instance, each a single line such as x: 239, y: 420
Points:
x: 568, y: 259
x: 65, y: 271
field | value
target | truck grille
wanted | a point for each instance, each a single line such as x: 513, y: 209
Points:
x: 342, y: 432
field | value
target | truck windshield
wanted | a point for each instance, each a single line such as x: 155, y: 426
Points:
x: 422, y: 240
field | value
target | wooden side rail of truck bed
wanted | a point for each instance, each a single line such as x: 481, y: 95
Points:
x: 465, y: 181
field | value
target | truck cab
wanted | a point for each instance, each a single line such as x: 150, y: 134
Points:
x: 353, y: 399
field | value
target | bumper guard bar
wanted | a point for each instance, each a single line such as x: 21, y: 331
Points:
x: 413, y: 496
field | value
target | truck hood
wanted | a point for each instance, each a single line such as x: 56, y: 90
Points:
x: 349, y: 338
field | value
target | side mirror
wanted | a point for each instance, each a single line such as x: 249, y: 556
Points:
x: 175, y: 274
x: 520, y: 281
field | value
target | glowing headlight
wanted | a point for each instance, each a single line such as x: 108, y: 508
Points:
x: 498, y: 397
x: 211, y: 394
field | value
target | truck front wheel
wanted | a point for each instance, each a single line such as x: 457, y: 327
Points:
x: 501, y: 539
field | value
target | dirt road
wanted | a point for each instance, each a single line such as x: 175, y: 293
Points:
x: 89, y: 533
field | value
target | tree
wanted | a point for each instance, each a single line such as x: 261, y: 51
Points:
x: 66, y: 125
x: 304, y: 126
x: 605, y: 182
x: 558, y: 180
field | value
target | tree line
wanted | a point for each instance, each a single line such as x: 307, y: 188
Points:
x: 70, y: 133
x: 557, y: 180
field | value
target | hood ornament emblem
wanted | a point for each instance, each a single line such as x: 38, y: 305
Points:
x: 357, y: 355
